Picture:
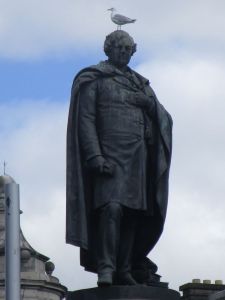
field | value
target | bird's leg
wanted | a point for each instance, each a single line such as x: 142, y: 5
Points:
x: 118, y: 27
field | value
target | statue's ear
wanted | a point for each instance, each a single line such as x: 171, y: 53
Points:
x: 134, y: 48
x: 107, y: 51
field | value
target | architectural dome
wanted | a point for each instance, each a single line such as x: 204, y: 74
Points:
x: 5, y: 179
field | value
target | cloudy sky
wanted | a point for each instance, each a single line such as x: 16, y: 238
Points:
x: 181, y: 49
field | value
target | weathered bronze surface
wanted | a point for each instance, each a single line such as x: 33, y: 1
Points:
x: 119, y: 142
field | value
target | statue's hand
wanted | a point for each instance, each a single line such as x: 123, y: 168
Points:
x: 100, y: 165
x: 96, y: 163
x: 108, y: 168
x: 143, y: 101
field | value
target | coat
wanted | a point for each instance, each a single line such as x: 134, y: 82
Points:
x: 80, y: 219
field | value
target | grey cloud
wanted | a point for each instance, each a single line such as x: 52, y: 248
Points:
x: 193, y: 241
x: 192, y: 90
x: 35, y: 29
x: 34, y: 148
x: 184, y: 60
x: 33, y: 134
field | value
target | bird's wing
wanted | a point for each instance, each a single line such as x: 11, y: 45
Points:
x: 121, y: 18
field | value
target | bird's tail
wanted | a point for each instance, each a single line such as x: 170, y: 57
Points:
x: 133, y: 20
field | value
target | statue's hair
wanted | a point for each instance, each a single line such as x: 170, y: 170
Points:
x: 113, y: 37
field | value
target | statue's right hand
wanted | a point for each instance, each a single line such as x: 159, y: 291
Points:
x: 108, y: 168
x: 100, y: 165
x: 96, y: 163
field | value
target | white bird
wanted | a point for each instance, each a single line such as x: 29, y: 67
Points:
x: 120, y: 19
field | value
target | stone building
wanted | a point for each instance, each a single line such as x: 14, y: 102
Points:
x: 37, y: 281
x: 205, y: 290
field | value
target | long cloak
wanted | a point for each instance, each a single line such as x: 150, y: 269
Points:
x: 80, y: 222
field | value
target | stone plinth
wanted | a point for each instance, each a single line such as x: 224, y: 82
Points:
x: 124, y: 292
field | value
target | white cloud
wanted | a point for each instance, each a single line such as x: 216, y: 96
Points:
x: 38, y: 28
x: 46, y: 233
x: 187, y: 72
x: 33, y: 134
x: 192, y: 90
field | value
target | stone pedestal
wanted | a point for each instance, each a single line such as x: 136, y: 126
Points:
x: 124, y: 292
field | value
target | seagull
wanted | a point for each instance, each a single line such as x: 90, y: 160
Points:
x: 119, y: 19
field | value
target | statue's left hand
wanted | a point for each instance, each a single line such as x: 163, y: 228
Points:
x: 143, y: 101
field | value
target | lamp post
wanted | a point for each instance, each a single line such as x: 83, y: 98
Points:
x: 12, y: 241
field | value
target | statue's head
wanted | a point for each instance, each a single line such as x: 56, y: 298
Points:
x: 119, y: 46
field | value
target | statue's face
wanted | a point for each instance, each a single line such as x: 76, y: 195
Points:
x: 121, y: 52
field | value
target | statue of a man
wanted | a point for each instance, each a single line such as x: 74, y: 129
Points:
x: 118, y: 159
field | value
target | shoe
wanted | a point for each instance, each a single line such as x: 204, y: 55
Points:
x: 105, y: 280
x: 152, y: 279
x: 125, y: 279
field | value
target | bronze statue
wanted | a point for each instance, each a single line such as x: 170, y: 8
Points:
x: 119, y: 142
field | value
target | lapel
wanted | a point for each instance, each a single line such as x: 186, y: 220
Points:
x: 130, y: 80
x: 125, y: 82
x: 134, y: 81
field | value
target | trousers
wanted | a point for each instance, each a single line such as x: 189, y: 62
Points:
x: 116, y: 234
